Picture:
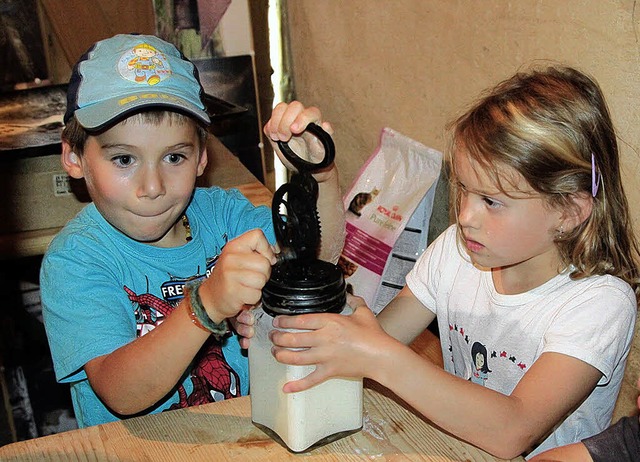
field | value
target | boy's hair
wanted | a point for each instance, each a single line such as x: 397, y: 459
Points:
x: 548, y: 125
x: 76, y: 135
x: 130, y: 73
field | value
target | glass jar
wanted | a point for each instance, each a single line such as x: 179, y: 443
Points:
x: 325, y: 412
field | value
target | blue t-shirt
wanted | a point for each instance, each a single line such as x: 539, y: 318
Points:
x: 102, y: 290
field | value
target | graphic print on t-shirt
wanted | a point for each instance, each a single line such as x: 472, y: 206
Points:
x: 212, y: 377
x: 480, y: 357
x: 481, y: 370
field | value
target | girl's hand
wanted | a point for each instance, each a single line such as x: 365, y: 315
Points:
x: 243, y: 268
x: 287, y: 123
x: 339, y: 346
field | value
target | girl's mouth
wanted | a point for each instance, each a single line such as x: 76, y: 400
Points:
x: 473, y: 246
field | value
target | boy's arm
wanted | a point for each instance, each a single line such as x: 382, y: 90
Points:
x: 287, y: 123
x: 331, y: 213
x: 139, y: 374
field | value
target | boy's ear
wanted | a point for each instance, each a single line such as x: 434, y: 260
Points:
x: 581, y: 210
x: 71, y: 162
x: 202, y: 163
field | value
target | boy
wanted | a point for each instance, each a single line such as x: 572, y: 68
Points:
x: 138, y: 287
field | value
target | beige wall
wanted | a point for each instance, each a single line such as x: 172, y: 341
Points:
x: 414, y: 64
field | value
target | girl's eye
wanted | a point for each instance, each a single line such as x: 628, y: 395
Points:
x: 123, y: 161
x: 491, y: 203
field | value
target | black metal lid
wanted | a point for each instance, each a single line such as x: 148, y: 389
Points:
x: 299, y: 287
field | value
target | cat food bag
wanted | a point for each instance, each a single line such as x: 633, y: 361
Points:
x: 388, y: 191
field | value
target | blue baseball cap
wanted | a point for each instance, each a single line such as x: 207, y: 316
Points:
x: 128, y: 73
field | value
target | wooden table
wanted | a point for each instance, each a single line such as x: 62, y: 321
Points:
x: 223, y: 431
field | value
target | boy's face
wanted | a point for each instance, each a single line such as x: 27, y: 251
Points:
x: 141, y: 177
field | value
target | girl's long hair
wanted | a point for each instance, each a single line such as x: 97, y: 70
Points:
x: 547, y: 124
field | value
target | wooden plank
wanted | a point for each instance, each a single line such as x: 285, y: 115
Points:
x: 77, y: 24
x: 223, y: 431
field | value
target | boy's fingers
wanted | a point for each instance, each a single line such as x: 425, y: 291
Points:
x: 246, y: 317
x: 304, y: 118
x: 244, y: 343
x: 245, y: 331
x: 255, y: 241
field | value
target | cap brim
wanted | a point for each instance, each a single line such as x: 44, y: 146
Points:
x: 105, y: 113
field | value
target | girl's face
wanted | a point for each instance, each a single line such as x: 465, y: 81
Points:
x: 513, y: 235
x: 479, y: 361
x: 141, y: 177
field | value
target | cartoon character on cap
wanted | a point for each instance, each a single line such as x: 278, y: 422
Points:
x: 144, y: 64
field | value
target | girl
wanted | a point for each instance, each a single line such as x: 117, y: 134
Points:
x: 539, y: 269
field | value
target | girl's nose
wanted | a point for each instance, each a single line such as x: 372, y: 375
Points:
x: 466, y: 214
x: 151, y: 183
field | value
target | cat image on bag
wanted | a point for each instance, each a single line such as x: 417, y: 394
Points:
x: 360, y: 200
x: 347, y: 266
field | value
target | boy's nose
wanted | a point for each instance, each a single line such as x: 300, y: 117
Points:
x: 151, y: 183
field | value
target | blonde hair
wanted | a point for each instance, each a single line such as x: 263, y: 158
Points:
x: 547, y: 124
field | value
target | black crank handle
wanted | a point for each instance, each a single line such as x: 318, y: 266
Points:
x: 303, y: 165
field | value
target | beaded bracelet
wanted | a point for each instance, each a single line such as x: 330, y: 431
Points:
x: 199, y: 315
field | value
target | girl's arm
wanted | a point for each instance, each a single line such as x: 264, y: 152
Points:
x: 404, y: 318
x: 576, y: 452
x: 357, y: 346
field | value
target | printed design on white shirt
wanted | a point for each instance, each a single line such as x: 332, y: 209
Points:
x: 480, y: 357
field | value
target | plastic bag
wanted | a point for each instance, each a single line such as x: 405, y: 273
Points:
x: 380, y: 204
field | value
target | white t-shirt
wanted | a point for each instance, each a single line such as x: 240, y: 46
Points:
x: 591, y: 319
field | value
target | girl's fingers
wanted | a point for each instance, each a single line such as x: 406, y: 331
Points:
x: 303, y: 321
x: 327, y: 127
x: 354, y: 302
x: 303, y: 384
x: 281, y: 339
x: 297, y: 357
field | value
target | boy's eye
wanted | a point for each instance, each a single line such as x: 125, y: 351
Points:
x: 174, y: 158
x: 123, y: 161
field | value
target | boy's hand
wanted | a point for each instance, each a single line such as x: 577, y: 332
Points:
x: 243, y: 325
x: 287, y: 123
x: 243, y: 268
